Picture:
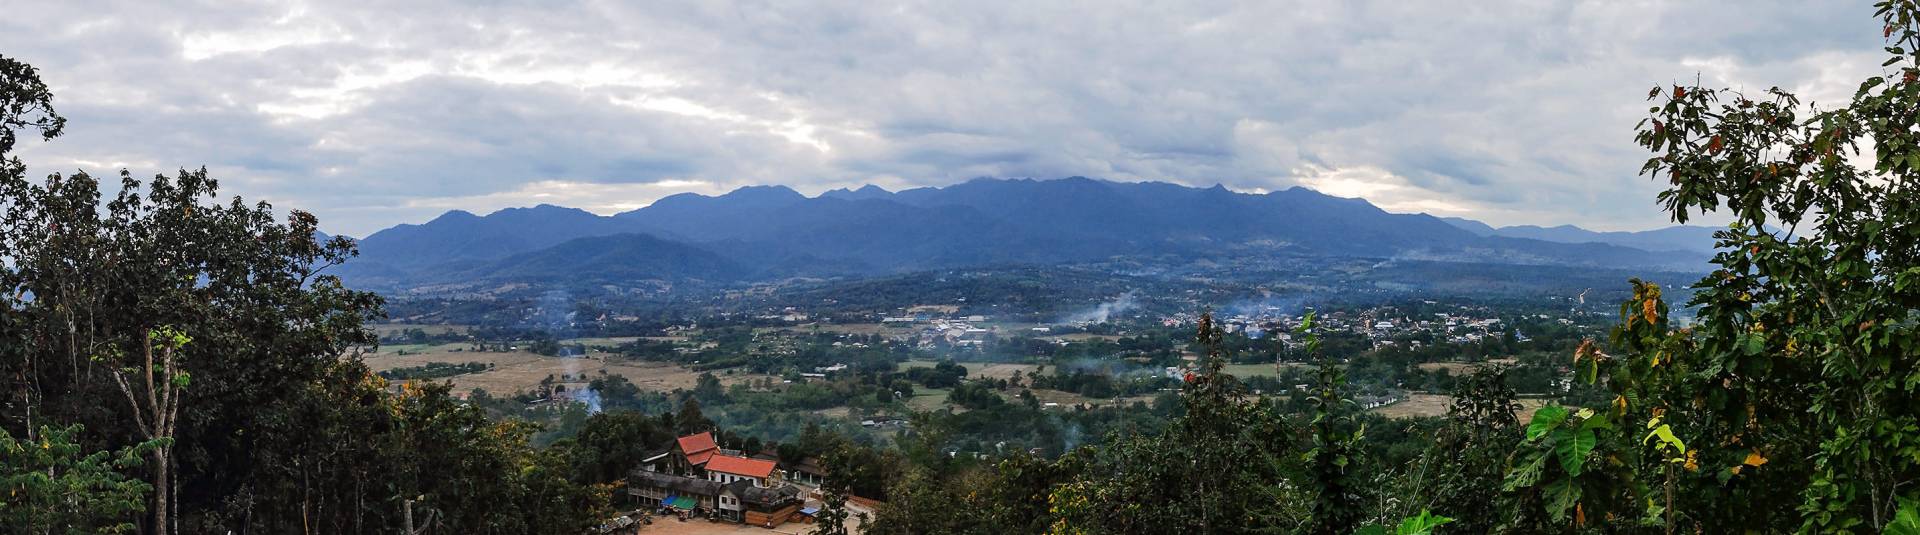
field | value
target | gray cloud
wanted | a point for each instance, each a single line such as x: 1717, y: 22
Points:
x: 1512, y: 112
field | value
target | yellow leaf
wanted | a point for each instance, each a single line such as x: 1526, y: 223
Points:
x: 1755, y: 459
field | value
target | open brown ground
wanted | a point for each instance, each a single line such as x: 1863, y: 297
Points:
x: 1436, y: 405
x: 1452, y: 368
x: 669, y: 526
x: 521, y: 370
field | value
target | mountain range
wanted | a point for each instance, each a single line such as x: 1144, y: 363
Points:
x: 1684, y: 238
x: 770, y: 232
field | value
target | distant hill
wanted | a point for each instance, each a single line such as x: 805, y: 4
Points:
x: 1675, y: 238
x: 774, y: 231
x: 616, y: 258
x: 461, y: 235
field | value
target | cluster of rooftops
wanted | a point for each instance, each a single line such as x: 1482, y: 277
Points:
x: 698, y: 476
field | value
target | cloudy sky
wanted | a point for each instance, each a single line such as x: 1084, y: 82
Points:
x: 370, y: 116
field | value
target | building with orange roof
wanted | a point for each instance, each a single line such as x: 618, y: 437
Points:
x: 728, y: 469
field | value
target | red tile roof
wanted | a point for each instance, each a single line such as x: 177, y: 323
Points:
x: 740, y: 466
x: 700, y: 457
x: 698, y: 448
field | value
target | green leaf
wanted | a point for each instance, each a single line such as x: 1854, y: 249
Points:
x: 1665, y: 434
x: 1527, y: 475
x: 1595, y: 423
x: 1545, y: 419
x: 1421, y: 525
x: 1906, y: 519
x: 1561, y: 497
x: 1573, y: 450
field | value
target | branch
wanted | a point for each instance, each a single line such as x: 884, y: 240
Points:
x: 121, y: 378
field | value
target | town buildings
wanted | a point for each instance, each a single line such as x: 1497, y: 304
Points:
x: 698, y: 476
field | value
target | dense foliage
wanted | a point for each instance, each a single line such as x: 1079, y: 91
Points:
x: 169, y: 353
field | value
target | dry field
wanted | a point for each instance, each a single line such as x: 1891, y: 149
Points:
x: 1436, y: 405
x: 1453, y: 368
x: 521, y: 370
x: 997, y: 371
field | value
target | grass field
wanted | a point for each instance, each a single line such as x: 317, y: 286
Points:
x: 979, y: 369
x: 928, y: 399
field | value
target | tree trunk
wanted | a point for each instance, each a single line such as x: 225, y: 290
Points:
x: 160, y: 474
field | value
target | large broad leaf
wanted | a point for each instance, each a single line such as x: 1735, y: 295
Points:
x: 1421, y: 525
x: 1545, y: 420
x: 1561, y: 496
x: 1527, y: 475
x: 1572, y: 447
x: 1906, y: 520
x: 1596, y: 423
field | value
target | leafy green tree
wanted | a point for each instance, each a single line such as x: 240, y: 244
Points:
x: 689, y: 420
x: 1466, y: 461
x: 25, y: 104
x: 1214, y: 470
x: 55, y: 486
x: 834, y: 514
x: 612, y: 443
x: 1789, y: 401
x: 1333, y: 463
x: 153, y: 391
x: 262, y: 421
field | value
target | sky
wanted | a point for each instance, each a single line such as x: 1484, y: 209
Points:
x: 371, y: 114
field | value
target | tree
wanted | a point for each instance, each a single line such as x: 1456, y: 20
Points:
x: 55, y: 486
x: 262, y: 420
x: 613, y: 443
x: 1334, y: 461
x: 689, y: 420
x: 25, y: 104
x: 839, y: 485
x: 1467, y: 459
x: 155, y: 404
x: 1213, y: 470
x: 1805, y: 347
